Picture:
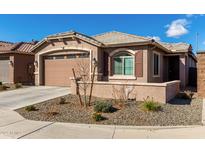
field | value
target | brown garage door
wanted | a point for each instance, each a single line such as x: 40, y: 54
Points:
x: 4, y: 69
x: 58, y: 69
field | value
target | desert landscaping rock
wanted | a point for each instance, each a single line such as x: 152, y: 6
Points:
x: 131, y: 114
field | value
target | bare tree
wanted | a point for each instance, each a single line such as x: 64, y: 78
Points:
x: 92, y: 80
x: 83, y: 72
x: 123, y: 94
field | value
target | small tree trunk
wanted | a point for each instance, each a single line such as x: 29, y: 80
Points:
x: 77, y: 87
x: 91, y: 88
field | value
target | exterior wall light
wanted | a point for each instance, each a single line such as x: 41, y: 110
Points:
x: 11, y: 63
x: 35, y: 63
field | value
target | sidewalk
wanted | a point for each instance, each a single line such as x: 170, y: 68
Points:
x: 12, y: 125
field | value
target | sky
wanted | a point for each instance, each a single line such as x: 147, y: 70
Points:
x: 166, y: 28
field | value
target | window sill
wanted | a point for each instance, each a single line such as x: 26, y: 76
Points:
x: 122, y: 77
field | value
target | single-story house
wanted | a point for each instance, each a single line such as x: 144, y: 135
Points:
x: 120, y: 56
x: 16, y: 62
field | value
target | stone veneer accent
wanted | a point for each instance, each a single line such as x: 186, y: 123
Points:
x: 201, y: 74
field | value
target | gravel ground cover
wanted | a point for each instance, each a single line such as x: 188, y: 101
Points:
x: 177, y: 112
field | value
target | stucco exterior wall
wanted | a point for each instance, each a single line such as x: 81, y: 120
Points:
x: 18, y: 68
x: 67, y: 45
x: 183, y: 73
x: 151, y: 77
x: 21, y: 64
x: 160, y: 92
x: 135, y: 49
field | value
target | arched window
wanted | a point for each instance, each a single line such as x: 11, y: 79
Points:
x: 123, y: 64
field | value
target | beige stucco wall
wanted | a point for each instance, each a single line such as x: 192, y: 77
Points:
x: 160, y: 92
x: 151, y: 77
x: 68, y: 45
x: 135, y: 49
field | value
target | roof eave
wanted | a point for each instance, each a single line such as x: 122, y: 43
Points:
x: 127, y: 44
x: 63, y: 37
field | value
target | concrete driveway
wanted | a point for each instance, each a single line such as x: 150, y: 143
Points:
x: 30, y: 95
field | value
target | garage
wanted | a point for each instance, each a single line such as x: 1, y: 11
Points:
x: 58, y: 68
x: 4, y: 69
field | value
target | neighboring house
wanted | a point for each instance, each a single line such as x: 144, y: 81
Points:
x: 121, y: 57
x: 16, y: 62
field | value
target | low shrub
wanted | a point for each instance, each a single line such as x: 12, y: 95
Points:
x: 98, y: 117
x: 3, y: 87
x: 151, y: 105
x: 53, y: 110
x: 105, y: 107
x: 62, y: 100
x: 185, y: 95
x: 30, y: 108
x: 18, y: 85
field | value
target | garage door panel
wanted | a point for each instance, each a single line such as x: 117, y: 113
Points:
x: 59, y: 71
x: 4, y: 69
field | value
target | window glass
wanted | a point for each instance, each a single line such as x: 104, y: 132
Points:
x: 60, y: 57
x: 128, y: 62
x: 123, y: 64
x: 118, y: 69
x: 156, y: 64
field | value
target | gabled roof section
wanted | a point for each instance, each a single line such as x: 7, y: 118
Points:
x: 177, y: 47
x: 115, y: 37
x: 69, y: 34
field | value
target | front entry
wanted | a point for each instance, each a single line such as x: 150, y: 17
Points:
x: 173, y: 68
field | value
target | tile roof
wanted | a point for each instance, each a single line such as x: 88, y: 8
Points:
x: 115, y: 37
x: 72, y: 33
x: 176, y: 47
x: 21, y: 47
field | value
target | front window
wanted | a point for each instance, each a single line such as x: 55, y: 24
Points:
x: 123, y: 64
x: 156, y: 64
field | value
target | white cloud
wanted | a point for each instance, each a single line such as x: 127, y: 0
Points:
x: 177, y: 28
x: 156, y: 38
x: 203, y: 43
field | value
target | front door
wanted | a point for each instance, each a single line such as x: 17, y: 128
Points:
x: 173, y: 68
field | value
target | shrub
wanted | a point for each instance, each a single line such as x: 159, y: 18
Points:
x: 18, y: 85
x: 62, y: 100
x: 0, y: 83
x: 97, y: 117
x: 3, y: 87
x: 103, y: 107
x: 151, y: 105
x: 53, y: 110
x: 30, y: 108
x: 185, y: 95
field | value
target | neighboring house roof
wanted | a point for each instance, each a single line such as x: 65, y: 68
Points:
x: 21, y: 47
x: 176, y: 47
x: 115, y: 37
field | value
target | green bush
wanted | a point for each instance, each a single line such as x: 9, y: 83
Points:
x: 185, y: 95
x: 4, y: 87
x: 103, y: 107
x: 151, y: 105
x: 30, y: 108
x: 18, y: 85
x: 97, y: 117
x: 62, y: 100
